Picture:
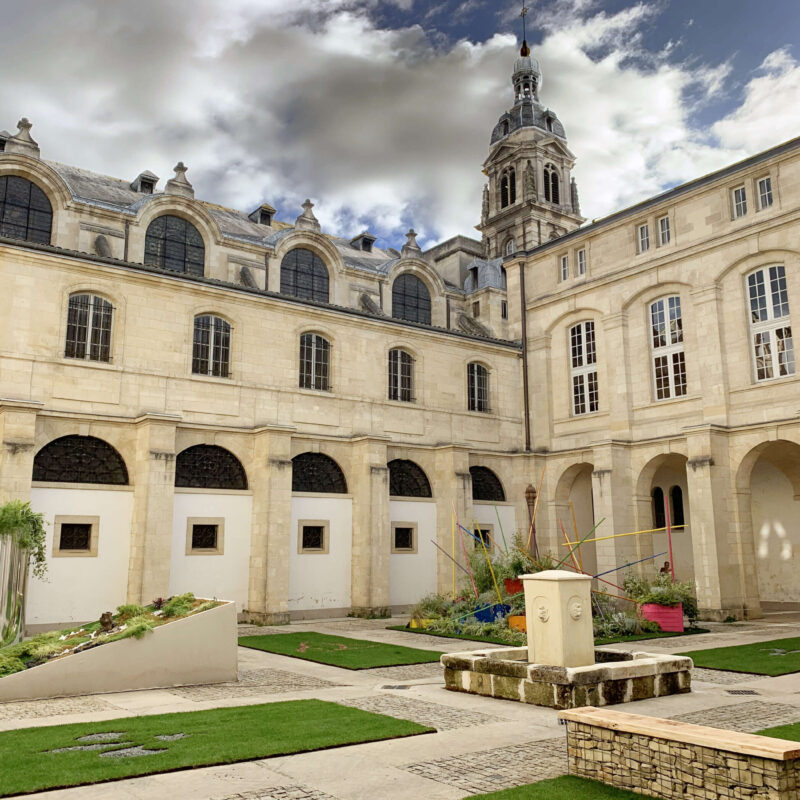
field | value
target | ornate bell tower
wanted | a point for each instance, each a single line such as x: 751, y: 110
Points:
x: 530, y: 197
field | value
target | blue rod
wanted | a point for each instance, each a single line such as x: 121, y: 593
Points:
x: 617, y: 569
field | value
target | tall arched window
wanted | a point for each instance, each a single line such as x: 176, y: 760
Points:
x: 401, y: 376
x: 659, y: 514
x: 88, y: 328
x: 25, y: 211
x: 207, y: 466
x: 316, y: 472
x: 304, y: 274
x: 315, y: 362
x: 771, y: 331
x: 676, y: 502
x: 583, y: 368
x: 486, y: 485
x: 411, y: 299
x: 508, y: 187
x: 174, y: 243
x: 511, y: 246
x: 477, y: 387
x: 551, y: 186
x: 407, y: 479
x: 211, y: 348
x: 79, y: 459
x: 669, y: 363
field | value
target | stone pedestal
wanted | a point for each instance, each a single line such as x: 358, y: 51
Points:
x: 559, y: 612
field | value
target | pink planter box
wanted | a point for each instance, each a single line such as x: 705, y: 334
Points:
x: 670, y: 618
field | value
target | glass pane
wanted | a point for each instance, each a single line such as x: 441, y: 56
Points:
x: 758, y: 297
x: 784, y: 349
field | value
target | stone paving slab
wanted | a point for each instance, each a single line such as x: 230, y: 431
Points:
x: 723, y: 677
x: 745, y: 717
x: 281, y: 793
x: 407, y: 673
x: 500, y: 768
x: 434, y: 715
x: 252, y: 683
x: 60, y: 706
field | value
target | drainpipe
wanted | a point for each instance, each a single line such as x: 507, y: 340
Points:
x: 127, y: 228
x: 525, y: 398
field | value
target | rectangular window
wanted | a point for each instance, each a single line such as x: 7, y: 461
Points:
x: 477, y: 388
x: 313, y: 536
x: 483, y: 538
x: 204, y: 537
x: 88, y: 328
x: 476, y: 309
x: 581, y: 262
x: 773, y: 348
x: 644, y: 238
x: 404, y: 537
x: 765, y: 193
x: 563, y: 268
x: 75, y: 536
x: 401, y: 376
x: 583, y: 357
x: 503, y: 309
x: 739, y: 202
x: 211, y: 349
x: 663, y: 231
x: 314, y: 362
x: 669, y: 366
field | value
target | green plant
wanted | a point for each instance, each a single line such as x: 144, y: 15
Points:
x: 9, y: 665
x: 431, y: 606
x: 19, y: 521
x: 127, y: 611
x: 662, y: 591
x: 178, y: 606
x: 136, y: 627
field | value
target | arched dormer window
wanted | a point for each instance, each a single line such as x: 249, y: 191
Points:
x: 477, y: 387
x: 25, y: 211
x: 505, y: 127
x: 79, y: 459
x: 508, y: 187
x: 175, y: 244
x: 411, y: 299
x: 211, y: 346
x: 207, y: 466
x: 316, y: 472
x: 551, y: 185
x: 304, y: 275
x: 407, y: 479
x: 88, y: 328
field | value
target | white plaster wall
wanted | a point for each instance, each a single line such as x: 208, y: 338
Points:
x: 222, y: 576
x: 682, y: 553
x: 580, y: 496
x: 318, y: 581
x: 413, y: 575
x: 78, y: 588
x: 776, y: 533
x: 484, y: 513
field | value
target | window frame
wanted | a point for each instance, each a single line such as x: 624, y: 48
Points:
x: 218, y: 549
x: 94, y: 536
x: 396, y: 389
x: 318, y: 362
x: 34, y: 208
x: 156, y: 246
x: 325, y: 524
x: 217, y: 366
x: 581, y: 374
x: 580, y: 262
x: 413, y: 306
x: 643, y: 242
x: 563, y: 267
x: 489, y: 542
x: 673, y: 349
x: 775, y: 288
x: 664, y: 229
x: 477, y: 400
x: 94, y: 309
x: 405, y: 551
x: 762, y: 194
x: 739, y: 204
x: 306, y: 281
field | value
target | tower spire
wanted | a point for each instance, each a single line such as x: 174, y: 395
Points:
x: 524, y: 50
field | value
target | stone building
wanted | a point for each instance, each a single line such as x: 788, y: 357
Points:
x: 202, y: 399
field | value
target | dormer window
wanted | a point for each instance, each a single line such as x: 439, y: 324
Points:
x: 146, y: 187
x: 264, y: 217
x: 145, y: 182
x: 263, y: 214
x: 363, y: 242
x: 549, y: 123
x: 505, y: 127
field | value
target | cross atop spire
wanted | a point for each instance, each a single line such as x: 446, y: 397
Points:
x: 524, y: 50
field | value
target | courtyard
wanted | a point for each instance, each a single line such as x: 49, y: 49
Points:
x: 480, y: 744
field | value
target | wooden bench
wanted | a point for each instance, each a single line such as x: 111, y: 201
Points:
x: 670, y: 759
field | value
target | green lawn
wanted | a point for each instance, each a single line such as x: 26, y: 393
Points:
x: 218, y: 736
x: 776, y: 657
x: 567, y: 787
x: 790, y: 732
x: 339, y: 651
x: 489, y: 639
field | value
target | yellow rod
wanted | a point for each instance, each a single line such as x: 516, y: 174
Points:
x: 535, y: 508
x: 632, y: 533
x: 453, y: 526
x: 488, y: 561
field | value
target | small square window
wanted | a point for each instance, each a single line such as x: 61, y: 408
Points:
x: 75, y: 536
x: 312, y: 536
x: 264, y: 217
x: 739, y: 202
x: 404, y: 537
x: 644, y: 238
x: 205, y: 536
x: 146, y: 187
x: 476, y: 309
x: 563, y: 272
x: 663, y: 231
x: 765, y: 193
x: 581, y: 268
x: 503, y: 309
x: 483, y: 537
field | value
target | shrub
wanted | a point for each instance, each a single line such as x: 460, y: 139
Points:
x: 9, y: 665
x: 130, y: 610
x: 178, y: 606
x: 20, y: 522
x: 662, y: 591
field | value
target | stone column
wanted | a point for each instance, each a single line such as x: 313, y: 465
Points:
x: 540, y: 382
x: 18, y: 434
x: 616, y: 375
x: 369, y: 484
x: 153, y: 495
x: 453, y: 490
x: 270, y: 532
x: 705, y: 354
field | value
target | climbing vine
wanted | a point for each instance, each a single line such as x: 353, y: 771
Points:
x: 25, y: 527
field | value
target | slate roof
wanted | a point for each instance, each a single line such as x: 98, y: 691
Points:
x: 528, y: 114
x: 490, y: 274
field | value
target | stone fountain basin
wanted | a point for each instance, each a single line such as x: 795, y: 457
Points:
x: 617, y: 676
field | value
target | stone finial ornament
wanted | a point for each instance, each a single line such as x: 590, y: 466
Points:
x: 411, y: 249
x: 530, y: 182
x: 485, y: 205
x: 179, y: 184
x: 22, y: 141
x: 307, y: 221
x: 576, y: 203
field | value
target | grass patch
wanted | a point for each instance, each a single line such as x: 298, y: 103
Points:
x: 218, y: 736
x: 427, y: 632
x: 790, y: 732
x: 338, y: 651
x: 775, y: 657
x: 638, y: 637
x: 567, y: 787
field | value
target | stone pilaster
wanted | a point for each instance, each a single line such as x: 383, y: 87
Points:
x: 270, y: 533
x: 705, y: 354
x: 454, y: 491
x: 616, y: 388
x: 369, y: 485
x: 17, y: 434
x: 153, y: 495
x: 540, y: 381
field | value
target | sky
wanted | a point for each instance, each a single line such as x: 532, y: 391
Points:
x: 380, y: 111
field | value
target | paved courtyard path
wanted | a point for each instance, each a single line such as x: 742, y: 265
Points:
x: 481, y: 744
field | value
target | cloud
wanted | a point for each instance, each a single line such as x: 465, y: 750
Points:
x: 386, y: 128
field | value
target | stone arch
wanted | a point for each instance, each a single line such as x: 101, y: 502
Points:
x: 316, y: 472
x: 486, y: 485
x: 575, y: 486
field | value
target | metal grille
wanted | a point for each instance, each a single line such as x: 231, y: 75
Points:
x: 207, y: 466
x: 407, y: 479
x: 316, y: 472
x: 401, y: 376
x: 211, y: 350
x: 204, y: 537
x: 315, y: 359
x: 79, y: 459
x: 403, y: 538
x: 313, y: 537
x: 304, y: 274
x: 478, y: 387
x: 486, y: 485
x: 411, y: 299
x: 75, y: 536
x: 88, y: 328
x: 174, y: 243
x: 25, y: 211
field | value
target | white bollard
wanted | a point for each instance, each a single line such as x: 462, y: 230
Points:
x: 558, y: 610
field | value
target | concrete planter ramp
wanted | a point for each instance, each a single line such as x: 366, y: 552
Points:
x: 198, y: 649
